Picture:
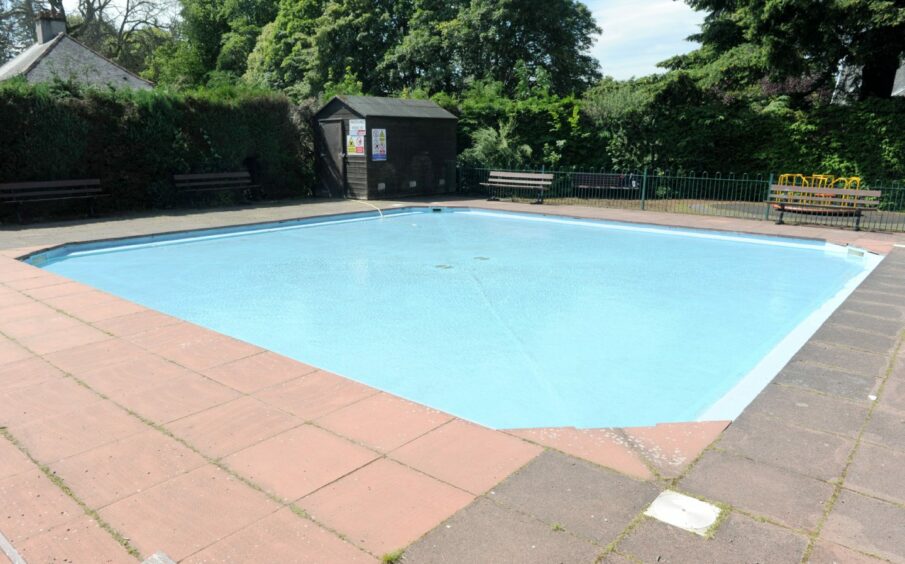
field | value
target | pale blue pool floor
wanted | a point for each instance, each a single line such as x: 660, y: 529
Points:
x: 505, y: 319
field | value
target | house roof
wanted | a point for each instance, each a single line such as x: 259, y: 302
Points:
x: 27, y: 60
x: 374, y: 106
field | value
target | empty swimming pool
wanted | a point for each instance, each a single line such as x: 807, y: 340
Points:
x: 510, y: 320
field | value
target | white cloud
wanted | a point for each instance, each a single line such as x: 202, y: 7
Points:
x: 638, y: 34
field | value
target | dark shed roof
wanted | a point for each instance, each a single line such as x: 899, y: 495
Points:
x: 374, y: 106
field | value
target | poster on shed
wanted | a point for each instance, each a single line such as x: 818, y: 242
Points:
x: 355, y: 145
x: 378, y: 144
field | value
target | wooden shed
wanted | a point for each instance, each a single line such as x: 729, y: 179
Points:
x: 373, y: 148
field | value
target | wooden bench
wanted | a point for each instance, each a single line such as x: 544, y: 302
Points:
x: 828, y: 201
x: 49, y: 191
x: 499, y: 179
x: 193, y: 184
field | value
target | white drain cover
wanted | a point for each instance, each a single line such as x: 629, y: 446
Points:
x: 682, y: 511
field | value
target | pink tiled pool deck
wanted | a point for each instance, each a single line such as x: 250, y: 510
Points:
x: 125, y: 432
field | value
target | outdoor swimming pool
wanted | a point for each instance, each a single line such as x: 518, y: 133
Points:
x: 510, y: 320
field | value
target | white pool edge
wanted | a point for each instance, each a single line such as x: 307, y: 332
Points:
x: 733, y: 402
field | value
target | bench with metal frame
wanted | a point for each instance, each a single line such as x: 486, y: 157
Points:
x: 823, y: 201
x: 19, y: 193
x: 499, y: 179
x: 194, y: 184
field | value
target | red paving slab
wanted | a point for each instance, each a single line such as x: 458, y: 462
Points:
x: 605, y: 447
x: 177, y: 397
x: 30, y: 504
x: 11, y: 352
x: 282, y: 537
x: 384, y: 506
x: 61, y: 436
x: 123, y: 468
x: 466, y: 455
x: 193, y: 347
x: 187, y: 513
x: 81, y: 540
x: 671, y: 447
x: 315, y: 394
x: 56, y: 290
x: 48, y: 398
x: 94, y: 356
x: 12, y: 461
x: 253, y: 373
x: 384, y: 422
x: 299, y: 461
x: 135, y: 374
x: 26, y: 373
x: 232, y: 426
x: 135, y: 323
x: 63, y: 339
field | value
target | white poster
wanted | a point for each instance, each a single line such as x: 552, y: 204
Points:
x: 357, y: 127
x: 378, y: 144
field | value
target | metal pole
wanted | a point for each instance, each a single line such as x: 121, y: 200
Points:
x: 643, y: 187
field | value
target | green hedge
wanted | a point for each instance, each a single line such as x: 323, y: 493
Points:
x: 134, y: 141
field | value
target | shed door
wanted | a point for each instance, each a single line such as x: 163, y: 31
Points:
x: 332, y: 164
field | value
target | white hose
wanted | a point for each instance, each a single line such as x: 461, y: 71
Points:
x: 372, y: 205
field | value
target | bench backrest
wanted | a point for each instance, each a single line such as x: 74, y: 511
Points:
x: 824, y: 197
x: 212, y: 179
x: 521, y: 178
x: 49, y: 190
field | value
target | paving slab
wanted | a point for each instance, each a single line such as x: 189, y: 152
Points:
x: 887, y: 428
x: 772, y: 441
x: 28, y: 372
x: 486, y: 532
x: 867, y: 330
x: 299, y: 461
x: 30, y: 504
x: 282, y: 537
x: 586, y: 500
x: 606, y: 447
x: 48, y: 397
x: 93, y: 356
x: 12, y: 461
x: 834, y: 333
x: 82, y: 540
x: 844, y: 359
x: 136, y: 374
x: 778, y: 494
x: 877, y: 471
x: 178, y: 397
x: 253, y: 373
x: 738, y: 539
x: 466, y: 455
x: 315, y: 394
x: 884, y: 311
x: 125, y: 467
x: 53, y: 438
x: 825, y: 552
x: 135, y: 323
x: 856, y: 387
x: 11, y: 352
x: 384, y: 506
x: 63, y: 339
x: 811, y: 410
x: 232, y: 426
x: 383, y: 422
x: 187, y: 513
x: 193, y: 347
x: 671, y: 447
x: 868, y: 525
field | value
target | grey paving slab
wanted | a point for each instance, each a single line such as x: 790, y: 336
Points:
x: 892, y: 312
x: 886, y: 428
x: 835, y: 333
x: 486, y: 532
x: 879, y: 472
x: 868, y: 525
x: 738, y: 540
x: 877, y: 297
x: 893, y: 396
x: 825, y: 552
x: 884, y: 286
x: 854, y: 387
x: 585, y: 499
x: 843, y: 358
x: 811, y: 410
x: 767, y: 440
x: 781, y: 495
x: 872, y: 328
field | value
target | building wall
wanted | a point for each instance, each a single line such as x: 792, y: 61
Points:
x: 71, y: 61
x: 419, y: 151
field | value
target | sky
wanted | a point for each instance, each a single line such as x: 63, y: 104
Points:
x: 638, y: 34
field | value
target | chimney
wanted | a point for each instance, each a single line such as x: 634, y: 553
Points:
x: 49, y: 24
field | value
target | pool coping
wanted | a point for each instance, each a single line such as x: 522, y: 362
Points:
x: 602, y: 443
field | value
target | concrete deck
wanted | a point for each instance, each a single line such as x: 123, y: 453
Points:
x: 126, y: 432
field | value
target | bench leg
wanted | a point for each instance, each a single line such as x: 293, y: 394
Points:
x: 540, y: 197
x: 858, y: 220
x: 782, y: 211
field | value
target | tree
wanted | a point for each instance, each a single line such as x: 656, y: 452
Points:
x: 808, y: 39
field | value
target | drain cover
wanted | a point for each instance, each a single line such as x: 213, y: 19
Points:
x: 684, y: 512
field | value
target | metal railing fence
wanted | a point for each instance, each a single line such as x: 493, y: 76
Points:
x: 730, y: 195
